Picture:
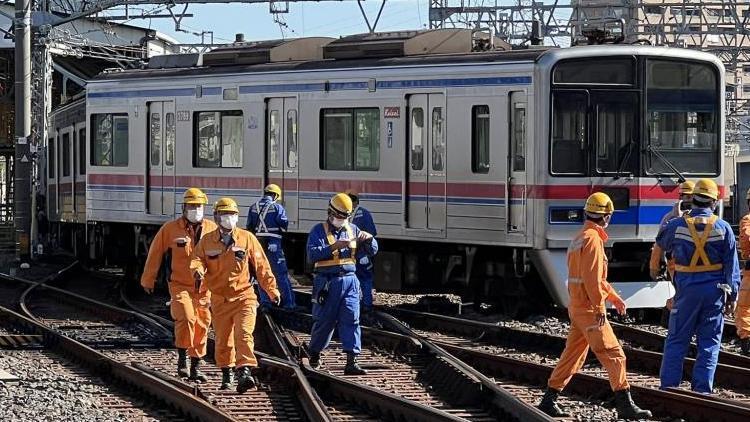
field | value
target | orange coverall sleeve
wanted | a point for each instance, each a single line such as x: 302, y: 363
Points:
x: 745, y: 237
x: 154, y: 259
x: 262, y: 269
x: 198, y: 260
x: 592, y: 270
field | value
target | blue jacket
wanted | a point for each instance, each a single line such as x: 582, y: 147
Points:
x: 318, y: 248
x: 721, y: 248
x: 275, y: 221
x: 363, y: 220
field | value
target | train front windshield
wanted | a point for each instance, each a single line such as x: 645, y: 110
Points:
x: 645, y: 117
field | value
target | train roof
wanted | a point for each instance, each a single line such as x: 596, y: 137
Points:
x: 330, y: 64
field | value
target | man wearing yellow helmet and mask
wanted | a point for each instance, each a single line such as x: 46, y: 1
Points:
x: 332, y: 246
x: 175, y: 241
x: 706, y: 278
x: 267, y: 221
x: 223, y: 262
x: 589, y: 290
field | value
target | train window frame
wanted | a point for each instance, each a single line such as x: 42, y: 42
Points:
x: 354, y: 139
x: 170, y: 138
x: 438, y: 139
x: 65, y: 154
x: 648, y: 157
x: 115, y: 156
x: 199, y: 162
x: 82, y: 151
x: 417, y: 155
x: 586, y: 64
x: 477, y: 165
x: 274, y: 139
x: 586, y: 171
x: 292, y: 145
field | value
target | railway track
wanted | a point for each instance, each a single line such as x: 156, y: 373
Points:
x: 504, y: 351
x: 148, y: 391
x: 403, y: 367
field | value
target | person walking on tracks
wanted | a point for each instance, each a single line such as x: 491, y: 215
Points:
x: 224, y: 260
x: 742, y: 314
x: 589, y: 289
x: 706, y: 279
x: 362, y: 218
x: 173, y: 243
x: 267, y: 221
x: 332, y: 247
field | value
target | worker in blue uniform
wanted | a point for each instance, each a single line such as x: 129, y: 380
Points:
x: 362, y: 218
x: 707, y: 278
x: 332, y: 246
x: 267, y: 220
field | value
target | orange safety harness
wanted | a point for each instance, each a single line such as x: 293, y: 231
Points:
x: 700, y: 246
x: 331, y: 240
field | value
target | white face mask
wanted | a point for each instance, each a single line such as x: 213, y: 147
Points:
x: 606, y: 220
x: 337, y: 222
x: 228, y: 221
x: 195, y: 215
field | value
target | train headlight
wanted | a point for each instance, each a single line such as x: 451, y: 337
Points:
x: 565, y: 215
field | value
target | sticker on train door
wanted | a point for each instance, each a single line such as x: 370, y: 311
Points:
x: 252, y: 122
x: 389, y: 133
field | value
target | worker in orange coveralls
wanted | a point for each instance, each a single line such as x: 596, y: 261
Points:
x: 223, y: 261
x: 742, y: 313
x: 175, y: 242
x: 589, y: 289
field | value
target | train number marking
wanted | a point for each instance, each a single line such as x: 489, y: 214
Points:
x: 183, y: 116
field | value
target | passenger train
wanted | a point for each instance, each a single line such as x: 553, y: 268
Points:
x: 475, y: 164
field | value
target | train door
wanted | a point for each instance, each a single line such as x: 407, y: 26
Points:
x: 161, y: 153
x: 80, y: 171
x: 282, y: 152
x: 614, y: 124
x: 516, y: 183
x: 426, y: 162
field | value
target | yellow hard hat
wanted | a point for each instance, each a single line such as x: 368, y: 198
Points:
x: 194, y: 196
x: 687, y: 187
x: 599, y: 203
x: 273, y: 188
x: 707, y: 188
x: 226, y: 205
x: 341, y: 204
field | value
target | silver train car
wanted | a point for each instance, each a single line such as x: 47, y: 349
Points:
x: 475, y: 165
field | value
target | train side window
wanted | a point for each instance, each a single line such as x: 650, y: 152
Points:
x: 350, y: 139
x: 518, y: 131
x: 109, y: 141
x: 51, y: 158
x: 155, y: 139
x: 569, y: 143
x: 170, y: 135
x: 480, y: 139
x: 82, y: 151
x: 417, y: 138
x: 438, y: 140
x: 291, y: 138
x: 273, y: 138
x: 66, y: 154
x: 218, y: 139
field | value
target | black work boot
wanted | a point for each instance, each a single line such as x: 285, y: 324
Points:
x: 352, y: 367
x: 182, y: 361
x: 195, y: 373
x: 626, y: 409
x: 745, y: 345
x: 315, y: 360
x: 549, y: 404
x: 226, y: 378
x: 245, y: 379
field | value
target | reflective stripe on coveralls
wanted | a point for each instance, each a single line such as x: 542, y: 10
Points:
x: 189, y: 310
x: 588, y: 288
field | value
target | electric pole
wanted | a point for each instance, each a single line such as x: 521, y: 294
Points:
x: 22, y: 162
